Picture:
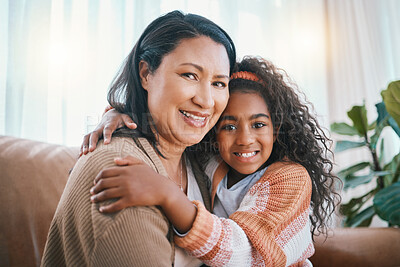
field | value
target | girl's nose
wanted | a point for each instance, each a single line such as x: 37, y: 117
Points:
x: 244, y: 137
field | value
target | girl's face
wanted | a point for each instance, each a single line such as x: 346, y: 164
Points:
x: 188, y: 91
x: 245, y: 133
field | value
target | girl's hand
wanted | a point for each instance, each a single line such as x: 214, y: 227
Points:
x: 133, y: 182
x: 136, y: 184
x: 110, y: 121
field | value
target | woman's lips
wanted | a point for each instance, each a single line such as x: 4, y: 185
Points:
x: 195, y: 119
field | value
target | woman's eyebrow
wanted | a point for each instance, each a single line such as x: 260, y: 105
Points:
x: 200, y: 68
x: 222, y: 76
x: 256, y: 116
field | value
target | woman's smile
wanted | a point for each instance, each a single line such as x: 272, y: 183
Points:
x: 195, y: 119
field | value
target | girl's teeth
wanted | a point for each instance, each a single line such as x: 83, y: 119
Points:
x: 246, y: 155
x: 193, y: 116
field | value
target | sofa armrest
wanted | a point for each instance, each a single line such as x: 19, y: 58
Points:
x: 358, y: 247
x: 33, y: 176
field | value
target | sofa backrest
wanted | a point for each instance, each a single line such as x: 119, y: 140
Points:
x: 33, y: 175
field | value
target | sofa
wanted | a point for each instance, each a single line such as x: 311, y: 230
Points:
x: 33, y: 175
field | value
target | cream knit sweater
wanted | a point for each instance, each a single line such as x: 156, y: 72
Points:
x: 270, y: 228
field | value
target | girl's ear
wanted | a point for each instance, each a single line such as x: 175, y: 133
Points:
x: 144, y: 73
x: 276, y: 132
x: 216, y: 145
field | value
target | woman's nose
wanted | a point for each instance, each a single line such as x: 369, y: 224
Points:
x: 204, y: 96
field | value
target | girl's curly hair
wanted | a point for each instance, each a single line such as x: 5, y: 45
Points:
x: 299, y: 137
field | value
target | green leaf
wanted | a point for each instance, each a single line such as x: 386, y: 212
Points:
x: 352, y: 169
x: 358, y: 114
x: 352, y: 207
x: 363, y: 218
x: 378, y: 130
x: 372, y: 126
x: 391, y: 98
x: 343, y: 129
x: 354, y: 181
x: 344, y: 145
x: 394, y: 125
x: 387, y: 204
x: 382, y: 112
x: 382, y: 152
x: 383, y: 115
x: 393, y: 167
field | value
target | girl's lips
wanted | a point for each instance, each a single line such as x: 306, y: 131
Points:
x: 195, y: 119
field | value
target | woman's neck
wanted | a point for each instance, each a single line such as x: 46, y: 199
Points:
x: 173, y: 162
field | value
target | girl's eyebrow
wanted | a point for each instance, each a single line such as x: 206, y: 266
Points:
x: 255, y: 116
x: 252, y: 117
x: 228, y: 118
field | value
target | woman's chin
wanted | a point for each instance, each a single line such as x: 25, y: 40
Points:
x: 190, y: 141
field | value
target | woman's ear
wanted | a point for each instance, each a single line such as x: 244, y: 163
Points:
x: 144, y: 74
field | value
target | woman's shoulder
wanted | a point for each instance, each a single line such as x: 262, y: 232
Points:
x: 119, y: 147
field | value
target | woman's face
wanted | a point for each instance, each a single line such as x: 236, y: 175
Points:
x: 188, y: 91
x: 245, y: 133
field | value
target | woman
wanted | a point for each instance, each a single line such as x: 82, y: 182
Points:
x: 176, y: 77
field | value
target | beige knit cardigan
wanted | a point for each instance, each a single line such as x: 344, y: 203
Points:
x: 80, y: 235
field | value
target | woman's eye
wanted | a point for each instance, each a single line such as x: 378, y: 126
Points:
x: 221, y: 85
x: 259, y: 125
x: 228, y: 127
x: 189, y: 75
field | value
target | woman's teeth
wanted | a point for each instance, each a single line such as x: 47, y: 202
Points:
x: 245, y: 155
x: 197, y: 118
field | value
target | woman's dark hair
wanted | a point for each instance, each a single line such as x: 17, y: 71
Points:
x: 299, y: 137
x: 160, y: 37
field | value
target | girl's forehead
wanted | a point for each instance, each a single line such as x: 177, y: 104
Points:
x: 245, y: 106
x: 246, y: 101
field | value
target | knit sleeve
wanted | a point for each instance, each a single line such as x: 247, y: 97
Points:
x: 270, y: 228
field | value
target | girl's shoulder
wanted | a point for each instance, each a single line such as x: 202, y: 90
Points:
x: 283, y: 170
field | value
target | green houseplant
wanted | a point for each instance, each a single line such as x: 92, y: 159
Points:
x: 386, y: 194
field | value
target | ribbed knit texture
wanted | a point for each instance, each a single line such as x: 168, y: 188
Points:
x: 80, y: 235
x: 270, y: 228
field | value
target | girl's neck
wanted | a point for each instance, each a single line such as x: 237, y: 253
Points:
x: 234, y: 177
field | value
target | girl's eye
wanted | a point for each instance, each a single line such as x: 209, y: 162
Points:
x: 221, y: 85
x: 189, y: 75
x: 258, y: 125
x: 228, y: 127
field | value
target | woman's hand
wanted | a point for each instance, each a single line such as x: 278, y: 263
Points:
x: 133, y: 182
x: 110, y: 121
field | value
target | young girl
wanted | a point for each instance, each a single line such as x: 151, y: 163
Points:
x: 271, y: 180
